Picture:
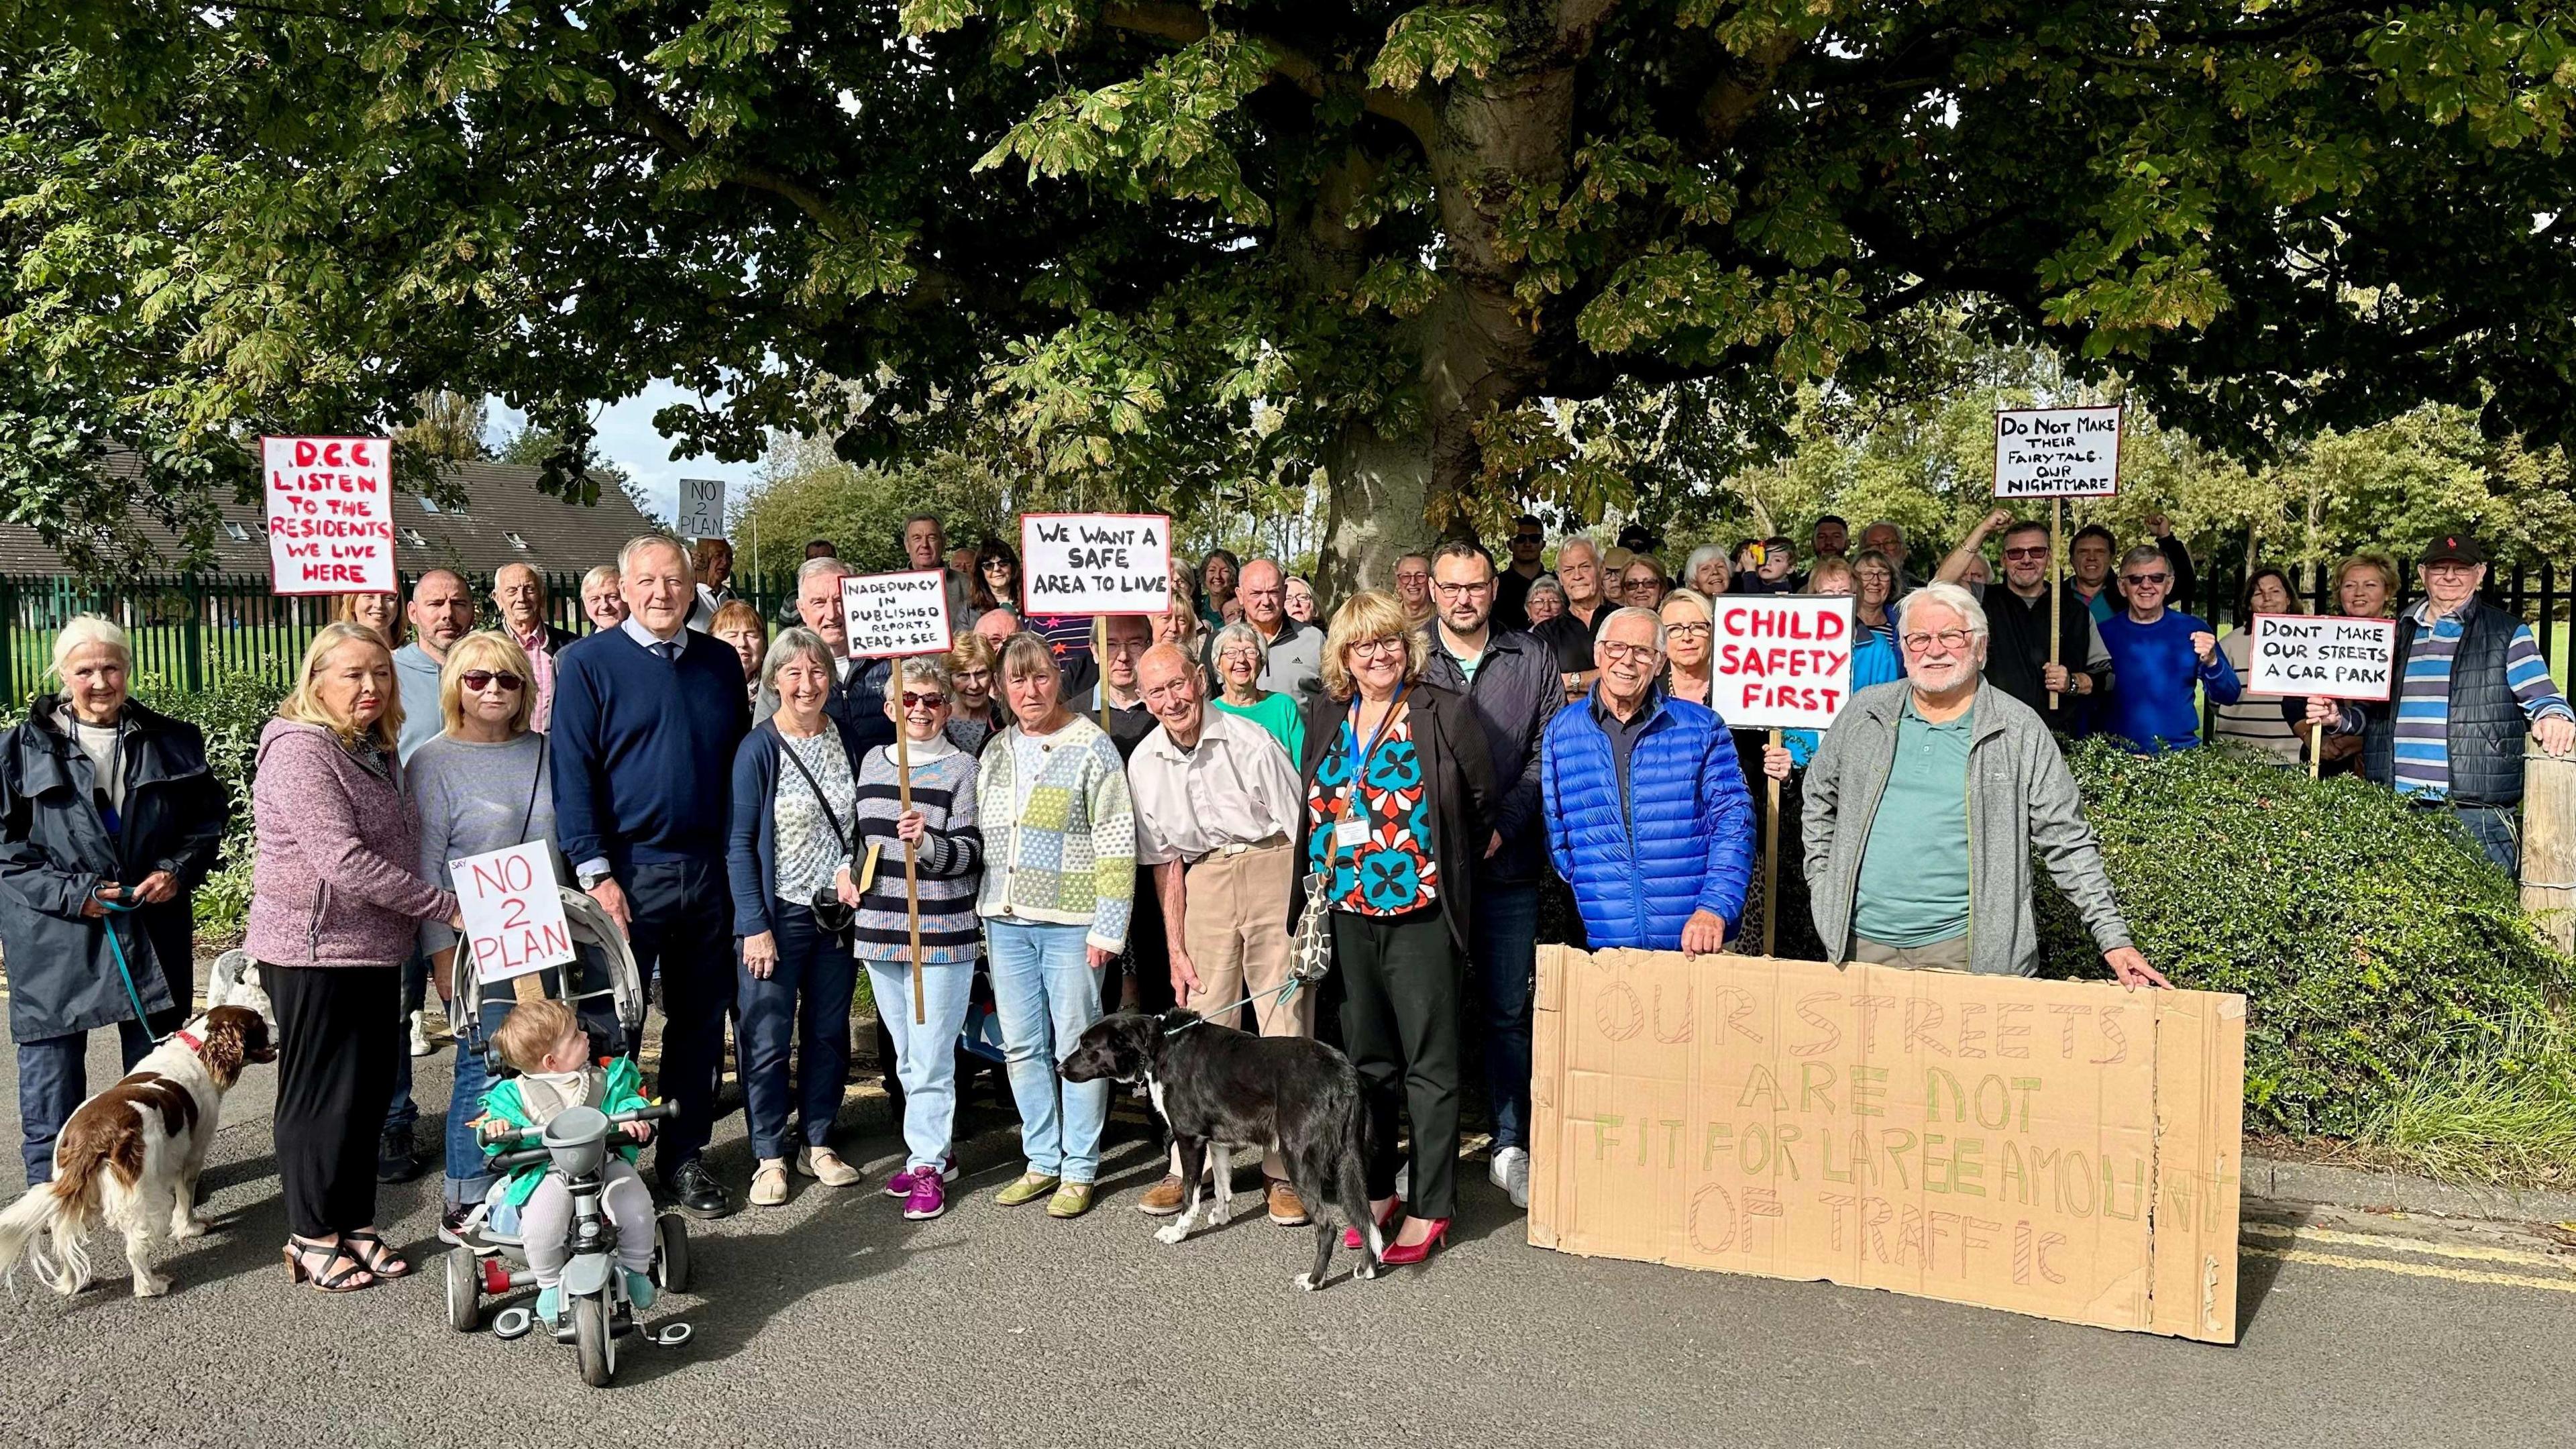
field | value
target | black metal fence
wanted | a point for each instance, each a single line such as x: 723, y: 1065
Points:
x: 190, y: 630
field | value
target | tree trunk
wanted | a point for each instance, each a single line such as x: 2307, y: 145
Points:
x: 1381, y: 490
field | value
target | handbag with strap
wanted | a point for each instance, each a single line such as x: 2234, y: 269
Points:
x: 829, y: 912
x: 1310, y: 953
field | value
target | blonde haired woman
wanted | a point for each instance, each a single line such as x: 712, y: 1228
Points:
x: 1400, y: 803
x: 101, y: 802
x: 336, y: 898
x: 380, y: 612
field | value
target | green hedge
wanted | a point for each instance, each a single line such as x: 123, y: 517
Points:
x: 2377, y: 951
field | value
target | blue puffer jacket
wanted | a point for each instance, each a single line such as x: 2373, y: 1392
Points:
x: 1684, y: 845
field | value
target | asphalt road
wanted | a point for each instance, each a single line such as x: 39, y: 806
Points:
x: 833, y: 1319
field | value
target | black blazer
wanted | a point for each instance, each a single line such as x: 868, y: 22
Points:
x: 1457, y: 772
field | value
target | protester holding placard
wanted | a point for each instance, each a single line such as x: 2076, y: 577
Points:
x: 1400, y: 804
x: 1647, y: 815
x: 647, y: 717
x: 1511, y: 686
x: 335, y: 901
x: 2254, y: 719
x: 942, y: 828
x: 101, y: 799
x: 2056, y: 680
x: 480, y: 786
x: 790, y: 848
x: 2156, y: 657
x: 1923, y: 808
x: 2470, y: 681
x: 1058, y: 890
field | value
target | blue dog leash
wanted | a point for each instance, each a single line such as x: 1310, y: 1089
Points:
x: 1285, y: 994
x: 116, y: 948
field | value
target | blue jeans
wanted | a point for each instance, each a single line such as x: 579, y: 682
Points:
x: 1046, y: 994
x: 925, y: 1055
x: 53, y: 1080
x: 2495, y: 833
x: 1503, y: 938
x: 818, y: 969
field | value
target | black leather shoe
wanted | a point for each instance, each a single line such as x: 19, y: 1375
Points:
x: 694, y: 1190
x: 395, y: 1159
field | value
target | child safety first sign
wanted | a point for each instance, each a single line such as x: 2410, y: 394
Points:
x: 1781, y: 661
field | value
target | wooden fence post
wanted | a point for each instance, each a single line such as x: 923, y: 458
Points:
x: 2549, y: 845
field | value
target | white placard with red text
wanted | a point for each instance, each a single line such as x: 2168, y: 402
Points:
x: 2327, y: 655
x: 896, y: 616
x: 330, y: 515
x: 513, y: 909
x: 2057, y: 452
x: 1781, y: 661
x: 1095, y: 563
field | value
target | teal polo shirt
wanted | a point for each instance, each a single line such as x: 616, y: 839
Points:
x: 1914, y: 870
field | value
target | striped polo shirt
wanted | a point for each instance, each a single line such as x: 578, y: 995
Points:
x: 2423, y: 762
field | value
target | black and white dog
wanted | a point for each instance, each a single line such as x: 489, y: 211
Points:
x: 1219, y: 1089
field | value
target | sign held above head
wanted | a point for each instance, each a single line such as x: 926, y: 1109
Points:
x: 2057, y: 452
x: 1095, y: 563
x: 330, y: 515
x: 896, y: 616
x: 702, y: 508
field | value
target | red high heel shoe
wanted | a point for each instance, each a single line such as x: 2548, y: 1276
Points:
x: 1397, y: 1254
x: 1394, y: 1210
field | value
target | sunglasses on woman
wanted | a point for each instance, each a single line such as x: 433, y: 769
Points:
x: 923, y: 701
x: 479, y: 679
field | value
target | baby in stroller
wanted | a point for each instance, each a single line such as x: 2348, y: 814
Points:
x: 545, y: 1042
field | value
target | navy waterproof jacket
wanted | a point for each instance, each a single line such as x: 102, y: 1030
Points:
x: 1683, y: 842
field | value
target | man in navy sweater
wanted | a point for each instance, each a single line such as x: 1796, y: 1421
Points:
x: 646, y: 718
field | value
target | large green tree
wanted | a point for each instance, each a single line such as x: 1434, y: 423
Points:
x: 1167, y: 249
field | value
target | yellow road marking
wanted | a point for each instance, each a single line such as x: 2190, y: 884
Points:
x: 2414, y: 1270
x: 2468, y: 1252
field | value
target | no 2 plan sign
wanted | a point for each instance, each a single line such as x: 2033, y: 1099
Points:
x: 2057, y: 452
x: 1095, y: 563
x: 2327, y: 655
x: 513, y: 910
x: 330, y: 515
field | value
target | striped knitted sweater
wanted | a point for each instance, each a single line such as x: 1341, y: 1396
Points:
x: 951, y: 857
x: 1068, y: 856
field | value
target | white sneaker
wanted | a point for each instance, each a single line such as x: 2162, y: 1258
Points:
x: 420, y: 1043
x: 1510, y: 1171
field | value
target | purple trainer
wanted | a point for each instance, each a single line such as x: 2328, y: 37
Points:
x: 929, y: 1197
x: 901, y: 1184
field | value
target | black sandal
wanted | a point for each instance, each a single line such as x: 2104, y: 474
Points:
x: 300, y: 1256
x: 384, y: 1262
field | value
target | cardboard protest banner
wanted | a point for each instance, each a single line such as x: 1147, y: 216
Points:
x: 1781, y: 661
x: 2057, y: 452
x: 2328, y: 655
x: 513, y: 910
x: 330, y: 515
x: 2069, y: 1150
x: 895, y: 616
x: 702, y: 513
x: 1095, y: 563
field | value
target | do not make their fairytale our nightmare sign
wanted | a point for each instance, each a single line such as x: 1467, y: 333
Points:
x: 330, y: 515
x: 1781, y: 661
x: 2057, y: 452
x: 1095, y: 563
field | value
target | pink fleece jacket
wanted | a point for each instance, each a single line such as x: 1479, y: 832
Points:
x: 333, y: 882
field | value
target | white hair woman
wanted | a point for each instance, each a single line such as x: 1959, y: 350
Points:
x: 1706, y: 570
x: 789, y: 856
x: 1056, y: 898
x: 336, y: 901
x: 106, y: 807
x: 1240, y: 655
x: 947, y: 843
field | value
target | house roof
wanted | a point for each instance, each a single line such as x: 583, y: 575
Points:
x: 505, y: 520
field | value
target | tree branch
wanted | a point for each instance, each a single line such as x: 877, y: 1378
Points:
x: 1183, y: 24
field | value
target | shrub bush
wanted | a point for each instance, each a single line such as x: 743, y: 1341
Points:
x: 2377, y: 950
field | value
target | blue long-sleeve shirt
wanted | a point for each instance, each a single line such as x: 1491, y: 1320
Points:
x: 2151, y: 707
x: 643, y: 749
x: 1874, y: 661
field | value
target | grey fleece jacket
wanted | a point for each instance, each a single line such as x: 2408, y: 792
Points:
x: 2020, y: 795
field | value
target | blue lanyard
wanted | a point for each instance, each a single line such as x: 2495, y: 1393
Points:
x: 1351, y: 738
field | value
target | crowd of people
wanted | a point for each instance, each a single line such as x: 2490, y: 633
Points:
x: 1132, y: 812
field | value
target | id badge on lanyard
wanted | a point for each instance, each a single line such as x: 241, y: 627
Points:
x: 1350, y: 825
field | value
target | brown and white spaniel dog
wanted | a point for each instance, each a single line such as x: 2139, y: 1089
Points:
x: 130, y: 1156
